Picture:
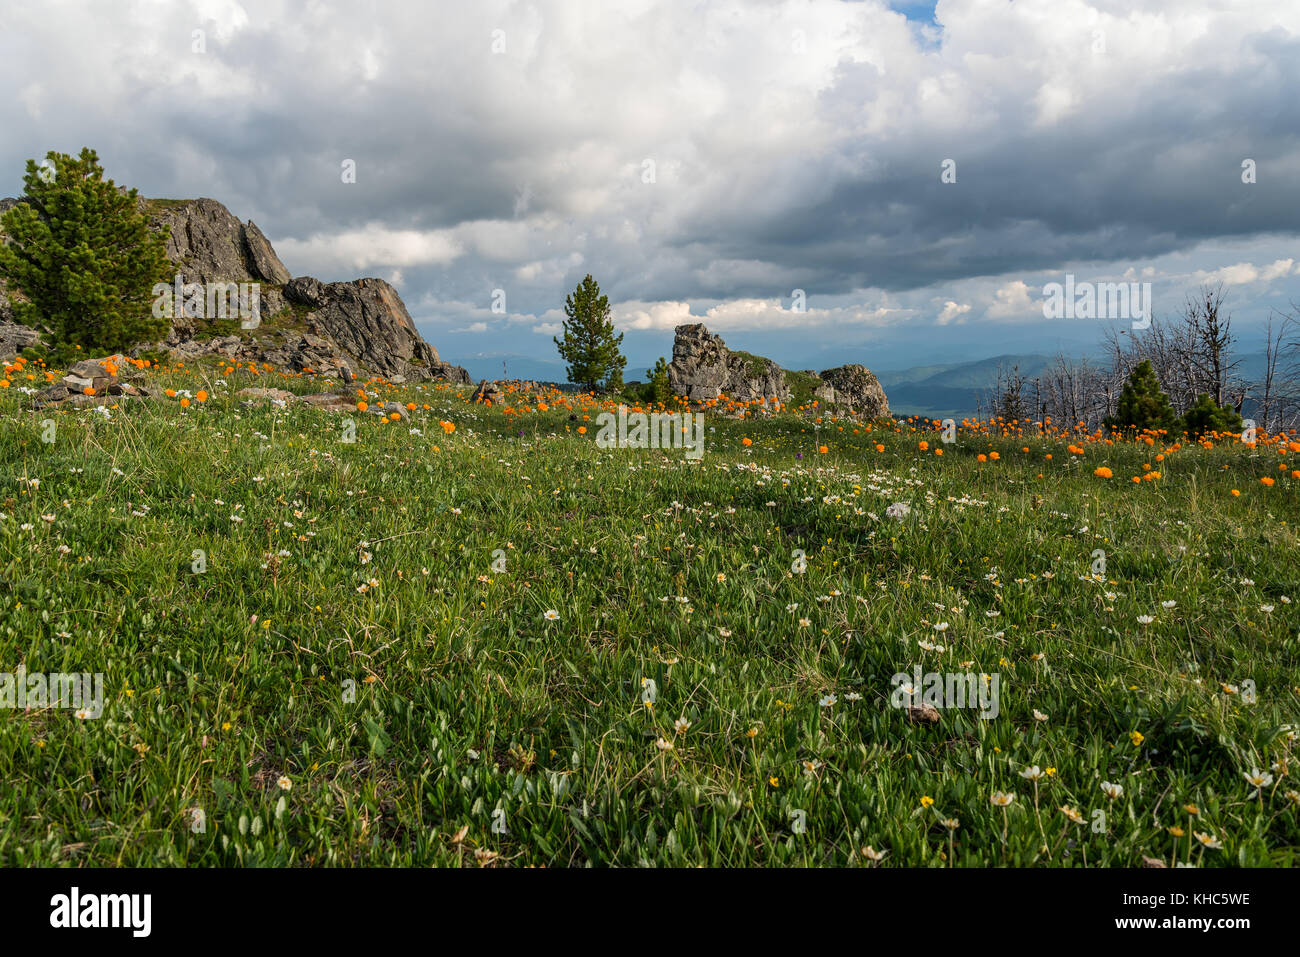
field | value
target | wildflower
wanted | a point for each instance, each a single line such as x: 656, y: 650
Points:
x: 1208, y: 840
x: 1032, y: 773
x: 828, y: 701
x: 284, y: 783
x: 551, y: 615
x: 1073, y: 815
x: 681, y: 725
x: 1112, y: 791
x: 1258, y: 778
x: 998, y: 799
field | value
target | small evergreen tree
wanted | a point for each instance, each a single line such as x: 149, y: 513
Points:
x: 1205, y: 417
x: 83, y: 255
x: 589, y: 345
x: 1142, y: 404
x: 660, y: 390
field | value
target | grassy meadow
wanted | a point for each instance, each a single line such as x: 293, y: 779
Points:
x: 471, y: 638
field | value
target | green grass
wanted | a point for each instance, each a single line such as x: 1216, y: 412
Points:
x: 802, y: 387
x: 470, y: 706
x: 755, y: 366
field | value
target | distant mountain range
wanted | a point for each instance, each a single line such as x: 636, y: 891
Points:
x: 953, y: 389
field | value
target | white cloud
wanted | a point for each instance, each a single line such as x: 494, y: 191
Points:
x: 375, y: 245
x: 951, y: 310
x: 1012, y: 300
x: 783, y: 160
x: 1243, y: 273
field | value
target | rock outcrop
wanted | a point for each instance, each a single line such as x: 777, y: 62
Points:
x: 340, y: 327
x: 367, y: 320
x: 703, y: 368
x: 14, y: 336
x: 854, y: 388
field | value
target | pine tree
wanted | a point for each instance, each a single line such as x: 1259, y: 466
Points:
x: 1142, y: 403
x: 660, y: 390
x: 590, y: 346
x: 81, y: 252
x: 1205, y: 417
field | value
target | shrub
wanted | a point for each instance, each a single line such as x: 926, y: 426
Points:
x: 1142, y: 403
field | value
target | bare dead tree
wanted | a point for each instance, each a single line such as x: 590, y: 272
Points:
x: 1210, y: 329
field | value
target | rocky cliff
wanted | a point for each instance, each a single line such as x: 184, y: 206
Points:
x: 703, y: 368
x: 304, y: 323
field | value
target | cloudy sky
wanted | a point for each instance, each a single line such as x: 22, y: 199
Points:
x: 704, y: 159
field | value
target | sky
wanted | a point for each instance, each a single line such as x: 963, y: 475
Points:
x: 818, y: 181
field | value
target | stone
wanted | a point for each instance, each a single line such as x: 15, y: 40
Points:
x: 703, y: 369
x: 264, y: 260
x: 14, y: 336
x: 208, y: 243
x: 856, y: 389
x: 271, y: 395
x: 367, y: 319
x: 488, y: 393
x: 331, y: 401
x: 925, y: 714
